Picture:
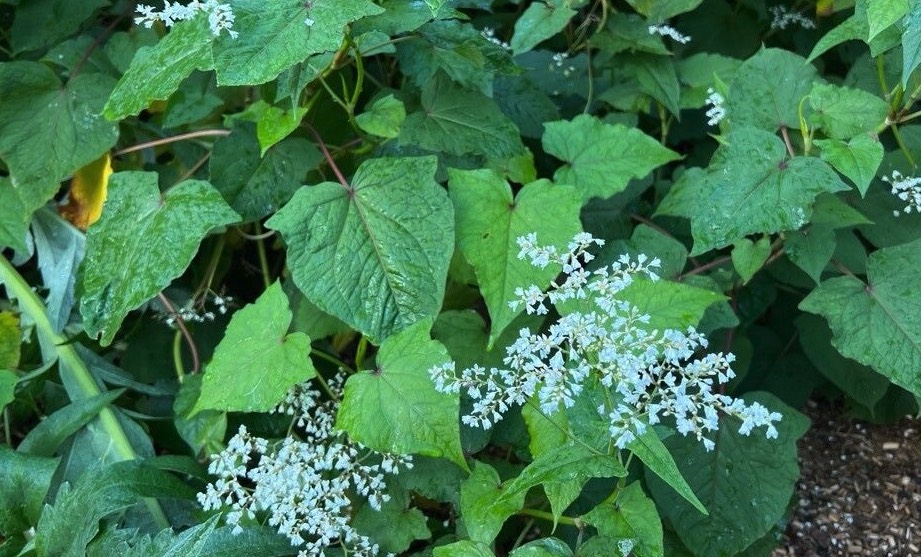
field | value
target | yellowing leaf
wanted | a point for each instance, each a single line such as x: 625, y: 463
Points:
x: 88, y: 193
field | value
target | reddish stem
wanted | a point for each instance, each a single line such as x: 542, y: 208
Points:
x: 196, y: 364
x: 327, y: 156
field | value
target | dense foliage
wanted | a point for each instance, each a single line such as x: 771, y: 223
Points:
x: 448, y: 277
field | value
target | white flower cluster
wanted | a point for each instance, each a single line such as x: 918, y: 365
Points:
x: 303, y: 483
x: 653, y: 374
x: 668, y: 31
x: 783, y: 18
x: 220, y: 16
x: 194, y: 311
x: 717, y: 110
x: 906, y: 188
x: 489, y: 34
x: 559, y: 61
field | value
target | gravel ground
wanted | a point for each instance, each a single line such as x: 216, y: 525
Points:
x: 860, y: 489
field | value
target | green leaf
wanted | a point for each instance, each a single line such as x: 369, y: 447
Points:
x: 395, y: 407
x: 544, y: 547
x: 374, y: 254
x: 141, y: 243
x: 878, y: 323
x: 68, y: 526
x: 745, y: 482
x: 384, y: 117
x: 483, y: 506
x: 546, y: 434
x: 257, y: 362
x: 156, y: 72
x: 830, y: 210
x: 766, y: 90
x: 750, y: 187
x: 459, y: 122
x: 274, y: 35
x: 60, y: 248
x: 394, y: 526
x: 911, y: 44
x: 463, y: 548
x: 206, y: 430
x: 857, y: 381
x: 24, y: 484
x: 882, y: 14
x: 8, y: 381
x: 47, y: 130
x: 631, y: 516
x: 539, y: 22
x: 10, y: 339
x: 601, y: 158
x: 670, y: 305
x: 811, y: 249
x: 258, y: 185
x: 661, y: 10
x: 45, y: 438
x: 748, y: 257
x: 42, y: 23
x: 654, y: 454
x: 843, y: 112
x: 852, y: 28
x: 18, y: 203
x: 654, y: 75
x: 858, y: 159
x: 653, y: 243
x: 489, y: 221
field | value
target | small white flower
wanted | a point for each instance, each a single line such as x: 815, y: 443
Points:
x: 783, y: 18
x: 907, y: 189
x: 220, y: 16
x: 668, y: 31
x: 489, y: 34
x: 717, y: 110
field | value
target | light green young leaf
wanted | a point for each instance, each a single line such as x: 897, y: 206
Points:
x: 277, y: 34
x: 394, y: 526
x: 911, y: 44
x: 156, y: 72
x: 10, y: 340
x: 489, y: 221
x: 741, y: 510
x: 395, y: 407
x: 748, y: 257
x: 766, y: 90
x: 484, y: 505
x: 670, y: 305
x: 632, y: 516
x: 384, y: 117
x: 654, y: 454
x: 844, y: 113
x: 858, y: 159
x: 257, y: 184
x: 750, y: 187
x: 463, y: 548
x: 141, y: 243
x: 374, y: 254
x: 544, y: 547
x: 588, y: 146
x: 256, y: 362
x: 881, y: 14
x: 459, y: 122
x: 539, y: 22
x: 878, y: 323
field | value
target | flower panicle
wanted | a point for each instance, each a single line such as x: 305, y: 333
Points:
x: 220, y: 16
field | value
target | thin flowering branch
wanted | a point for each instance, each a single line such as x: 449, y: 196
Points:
x: 220, y: 16
x: 668, y: 31
x: 177, y: 318
x: 783, y: 18
x: 328, y: 156
x: 651, y: 375
x: 717, y: 111
x: 907, y: 189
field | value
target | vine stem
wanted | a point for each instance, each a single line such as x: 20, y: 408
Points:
x: 180, y: 322
x: 786, y: 140
x: 78, y: 381
x: 327, y: 156
x: 171, y: 139
x: 544, y: 515
x: 95, y: 44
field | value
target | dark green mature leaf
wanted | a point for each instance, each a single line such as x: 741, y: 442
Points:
x: 852, y: 28
x: 8, y: 381
x: 539, y: 22
x: 878, y: 323
x: 276, y: 34
x: 23, y: 486
x: 395, y: 407
x: 655, y: 76
x: 489, y: 221
x: 374, y: 254
x: 156, y: 72
x: 47, y: 130
x: 631, y: 516
x: 745, y: 482
x: 201, y: 540
x: 256, y: 362
x: 544, y: 547
x: 857, y: 381
x: 483, y: 504
x: 257, y: 185
x: 654, y: 454
x: 748, y: 257
x: 601, y: 158
x: 750, y: 187
x: 911, y: 44
x: 42, y: 23
x: 45, y: 438
x: 463, y: 548
x: 141, y: 243
x: 767, y: 88
x: 459, y: 122
x: 881, y: 14
x: 68, y: 526
x: 858, y: 159
x: 660, y: 10
x: 60, y: 249
x: 394, y: 526
x: 843, y: 112
x: 811, y: 249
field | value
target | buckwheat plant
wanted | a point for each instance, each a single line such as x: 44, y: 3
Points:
x: 906, y: 188
x: 655, y: 375
x: 220, y: 16
x: 307, y: 484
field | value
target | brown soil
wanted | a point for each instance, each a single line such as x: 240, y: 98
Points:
x: 860, y: 489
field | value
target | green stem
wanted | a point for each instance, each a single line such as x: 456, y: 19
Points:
x: 901, y: 143
x: 81, y: 384
x: 177, y: 356
x: 360, y: 352
x: 544, y: 515
x: 263, y: 260
x: 333, y: 360
x: 325, y: 386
